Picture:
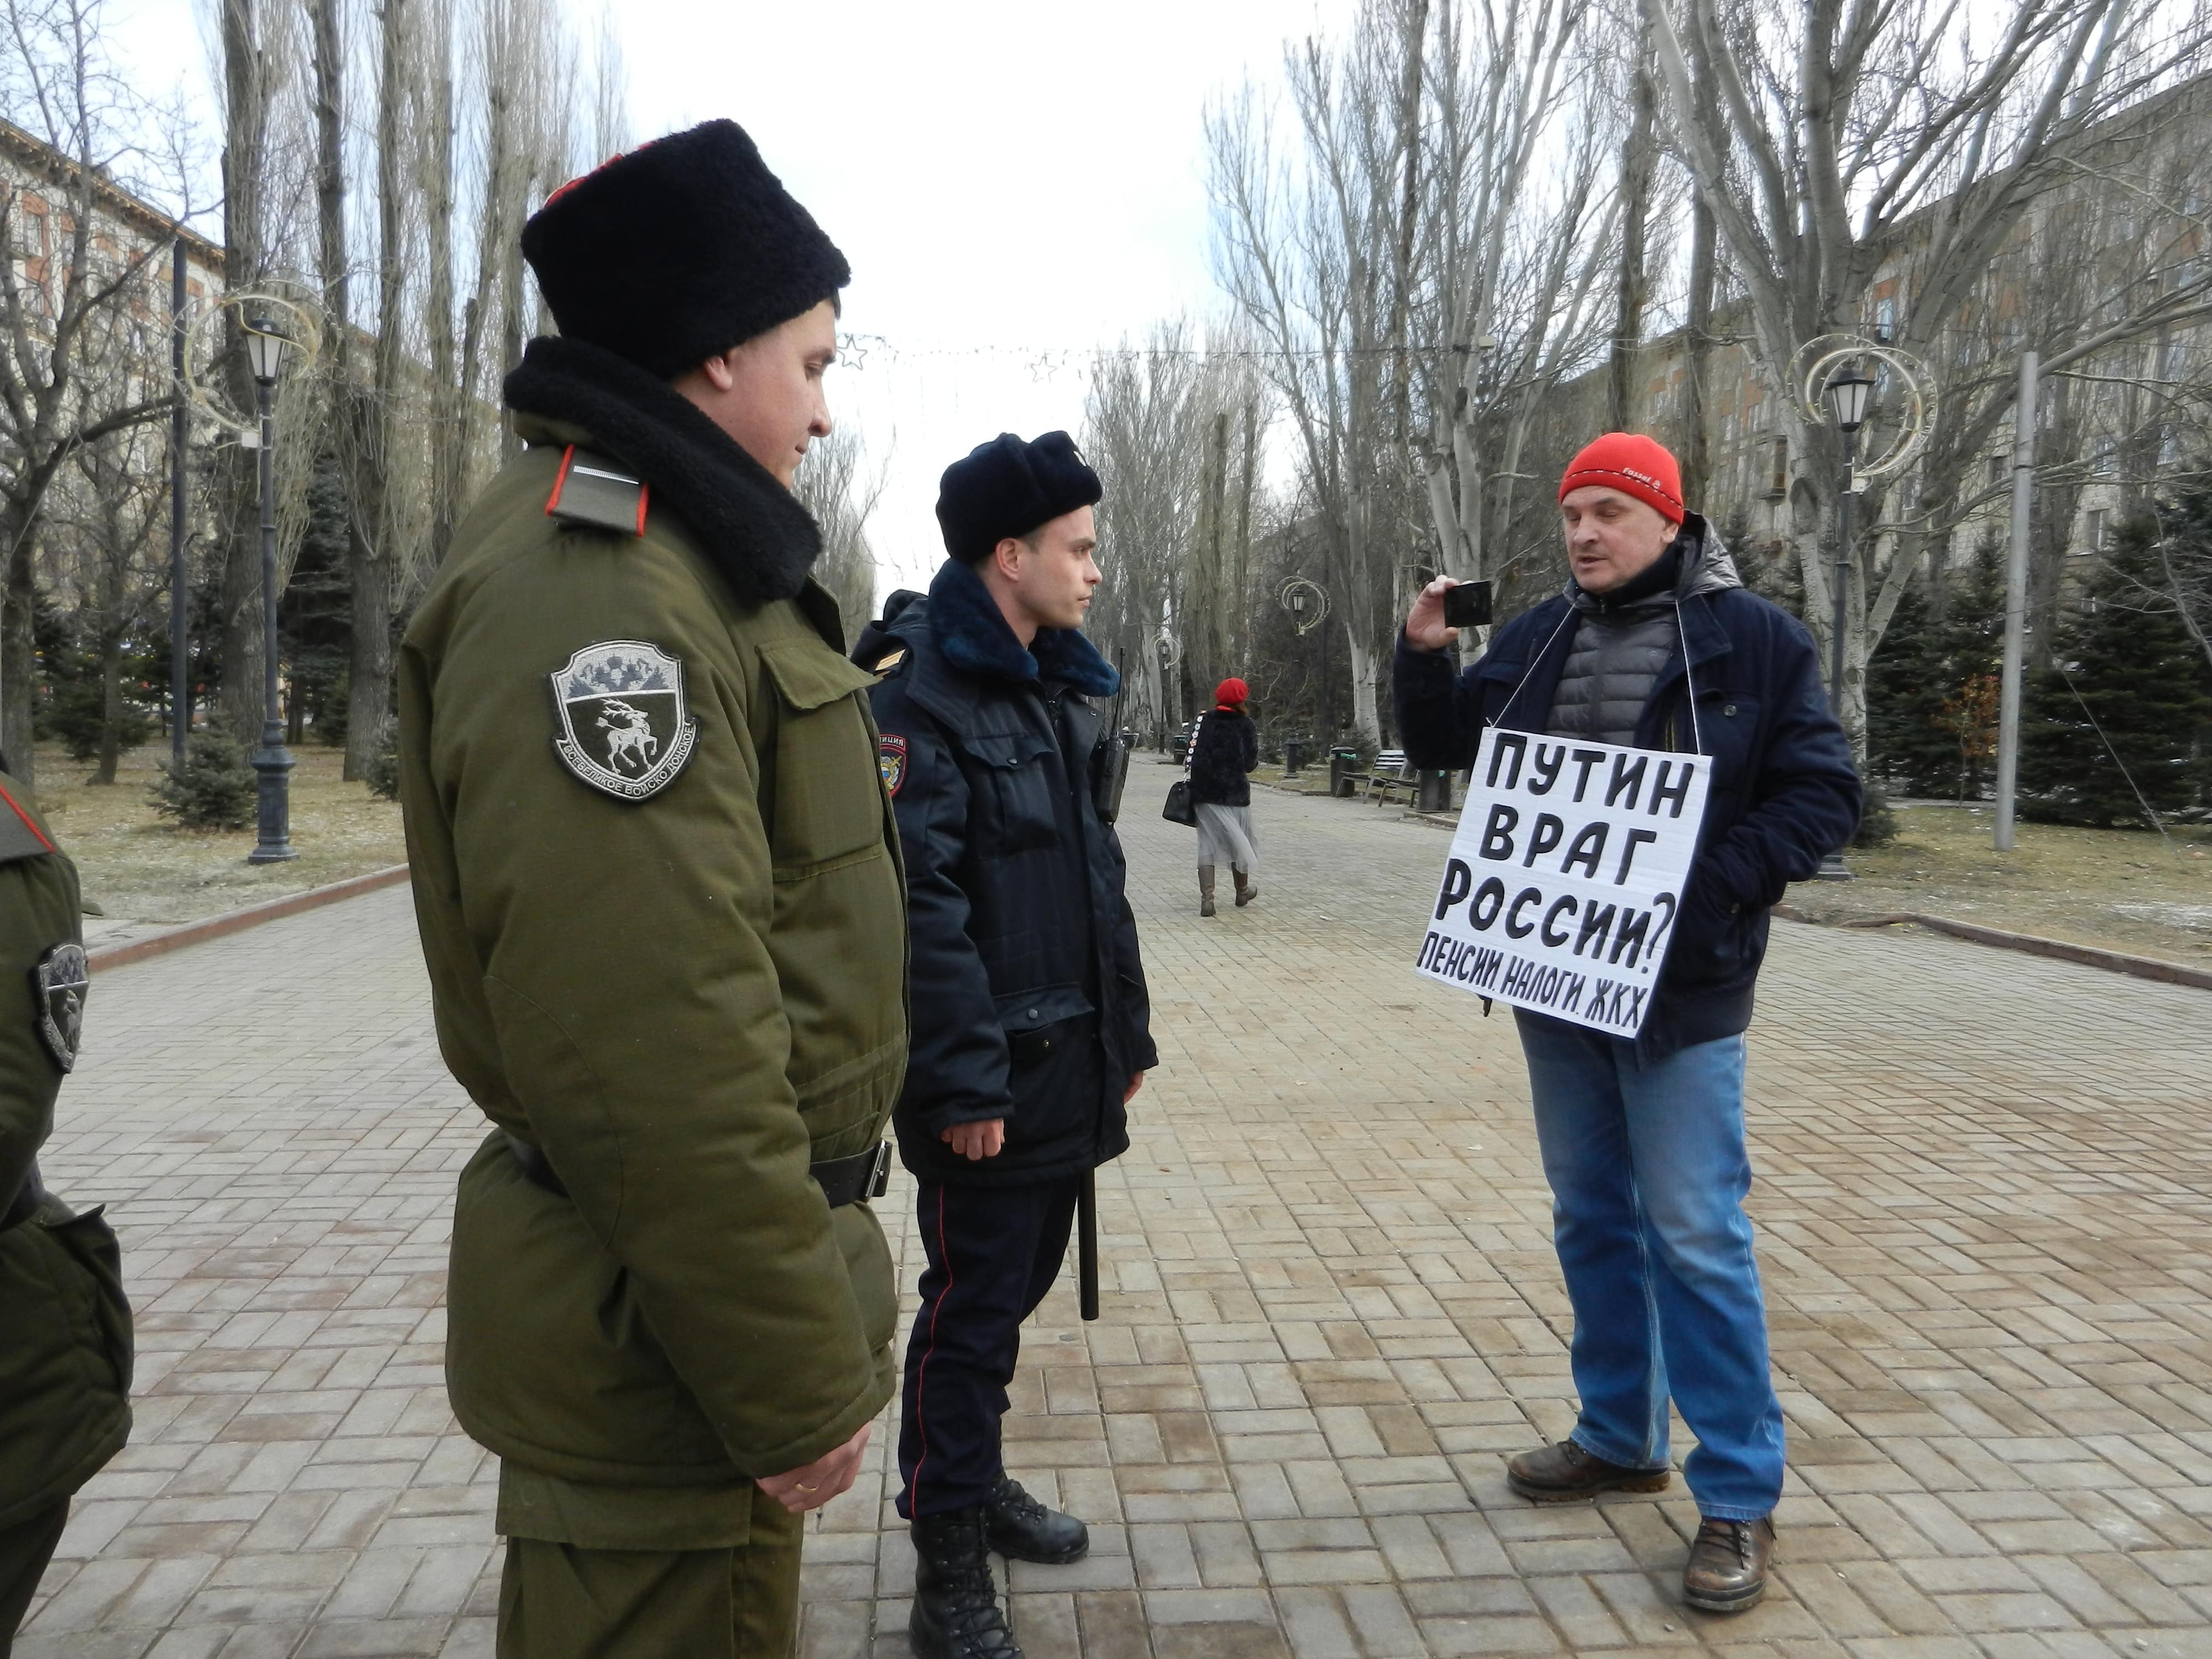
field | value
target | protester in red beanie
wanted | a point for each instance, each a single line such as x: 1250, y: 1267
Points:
x: 1223, y: 749
x: 1633, y: 464
x: 1655, y: 646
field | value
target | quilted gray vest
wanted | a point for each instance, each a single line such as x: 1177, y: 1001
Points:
x: 1618, y: 652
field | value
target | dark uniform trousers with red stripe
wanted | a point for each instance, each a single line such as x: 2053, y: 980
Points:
x: 992, y: 1252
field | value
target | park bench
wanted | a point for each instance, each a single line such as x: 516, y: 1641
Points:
x: 1392, y: 771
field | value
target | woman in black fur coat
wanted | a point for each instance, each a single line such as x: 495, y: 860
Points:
x: 1225, y: 746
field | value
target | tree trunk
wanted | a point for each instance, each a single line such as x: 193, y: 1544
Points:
x: 1640, y: 159
x: 450, y: 455
x: 111, y: 706
x: 369, y: 553
x: 18, y: 668
x: 246, y: 94
x: 1697, y: 448
x: 1366, y: 717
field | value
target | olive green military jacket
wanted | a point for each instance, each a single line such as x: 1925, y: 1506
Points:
x: 64, y: 1325
x: 658, y: 886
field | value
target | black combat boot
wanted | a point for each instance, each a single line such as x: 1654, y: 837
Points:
x: 956, y: 1604
x: 1021, y: 1529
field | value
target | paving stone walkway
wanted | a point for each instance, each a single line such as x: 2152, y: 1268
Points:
x: 1331, y: 1309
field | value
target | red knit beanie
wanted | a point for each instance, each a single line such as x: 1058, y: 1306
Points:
x: 1635, y: 466
x: 1230, y: 693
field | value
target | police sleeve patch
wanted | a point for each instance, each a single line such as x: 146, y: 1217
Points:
x: 621, y: 724
x: 891, y: 662
x: 60, y: 983
x: 891, y: 761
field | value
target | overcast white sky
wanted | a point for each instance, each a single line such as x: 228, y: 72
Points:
x: 1007, y: 178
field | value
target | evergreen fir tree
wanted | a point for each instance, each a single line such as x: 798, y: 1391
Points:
x: 1923, y: 687
x: 315, y: 616
x: 2129, y: 680
x: 1905, y: 685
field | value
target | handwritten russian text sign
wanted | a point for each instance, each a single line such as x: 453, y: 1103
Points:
x: 1566, y: 876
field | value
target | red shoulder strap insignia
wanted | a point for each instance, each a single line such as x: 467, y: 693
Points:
x: 590, y: 489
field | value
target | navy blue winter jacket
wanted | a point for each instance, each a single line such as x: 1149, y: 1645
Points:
x: 1029, y: 999
x: 1784, y: 791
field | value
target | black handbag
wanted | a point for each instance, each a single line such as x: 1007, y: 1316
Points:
x: 1179, y: 808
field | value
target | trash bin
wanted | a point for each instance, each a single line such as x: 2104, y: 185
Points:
x: 1294, y: 756
x: 1434, y: 794
x: 1342, y: 763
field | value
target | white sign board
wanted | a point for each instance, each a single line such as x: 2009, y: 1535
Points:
x: 1566, y: 876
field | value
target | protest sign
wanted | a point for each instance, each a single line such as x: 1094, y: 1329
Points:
x: 1566, y: 876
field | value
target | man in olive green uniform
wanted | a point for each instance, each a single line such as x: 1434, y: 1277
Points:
x: 64, y: 1326
x: 658, y: 890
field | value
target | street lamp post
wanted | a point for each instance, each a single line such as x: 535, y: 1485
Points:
x: 265, y: 346
x: 1848, y: 394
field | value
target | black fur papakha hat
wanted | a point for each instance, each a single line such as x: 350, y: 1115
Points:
x: 674, y: 252
x: 1008, y: 488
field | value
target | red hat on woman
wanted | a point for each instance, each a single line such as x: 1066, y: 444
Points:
x: 1232, y: 692
x: 1635, y: 466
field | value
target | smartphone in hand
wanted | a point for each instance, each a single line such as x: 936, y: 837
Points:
x: 1467, y: 604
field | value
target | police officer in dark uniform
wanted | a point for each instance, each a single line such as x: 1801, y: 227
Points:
x: 1031, y: 1019
x: 64, y: 1325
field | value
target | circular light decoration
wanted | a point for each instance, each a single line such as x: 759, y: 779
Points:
x: 298, y: 318
x: 1817, y: 362
x: 1307, y: 602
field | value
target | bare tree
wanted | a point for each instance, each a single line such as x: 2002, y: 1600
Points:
x: 73, y: 281
x: 1304, y: 245
x: 1830, y: 135
x: 836, y: 485
x: 1141, y: 424
x: 268, y: 175
x: 435, y: 184
x: 1527, y: 220
x: 1421, y: 268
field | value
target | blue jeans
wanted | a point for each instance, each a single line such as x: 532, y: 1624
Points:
x: 1648, y: 1172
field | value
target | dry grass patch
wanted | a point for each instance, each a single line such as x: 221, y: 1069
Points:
x: 2121, y: 890
x: 136, y: 866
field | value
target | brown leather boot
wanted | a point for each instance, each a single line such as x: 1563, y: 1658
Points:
x: 1563, y: 1472
x: 1205, y: 889
x: 1728, y: 1564
x: 1247, y: 889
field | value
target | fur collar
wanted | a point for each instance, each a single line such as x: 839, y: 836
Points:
x: 973, y: 633
x: 749, y: 527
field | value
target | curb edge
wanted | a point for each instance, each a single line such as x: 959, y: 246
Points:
x: 2087, y: 956
x: 235, y: 921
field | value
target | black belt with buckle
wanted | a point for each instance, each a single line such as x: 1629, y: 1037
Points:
x: 843, y: 1179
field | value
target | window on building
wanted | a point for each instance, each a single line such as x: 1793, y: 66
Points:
x: 2094, y: 530
x: 1777, y: 468
x: 1885, y: 320
x: 1996, y: 471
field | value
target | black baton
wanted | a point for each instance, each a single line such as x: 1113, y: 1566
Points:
x: 1086, y: 1243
